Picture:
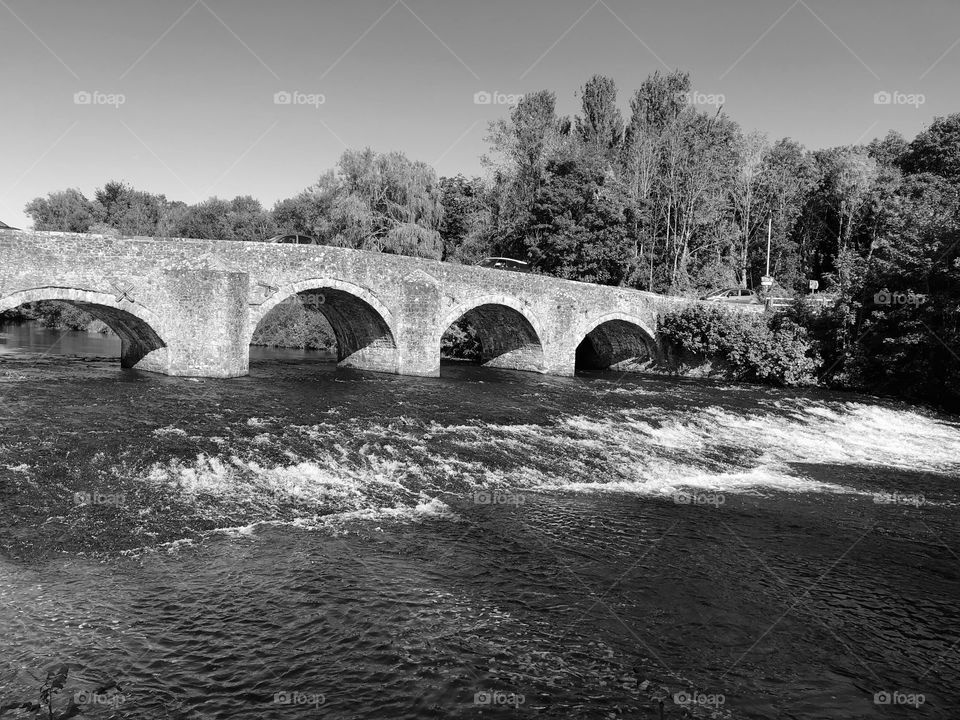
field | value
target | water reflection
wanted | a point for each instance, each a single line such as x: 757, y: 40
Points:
x: 33, y: 337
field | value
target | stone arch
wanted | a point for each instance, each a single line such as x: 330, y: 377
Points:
x: 363, y: 326
x: 140, y: 330
x: 511, y: 336
x: 614, y: 339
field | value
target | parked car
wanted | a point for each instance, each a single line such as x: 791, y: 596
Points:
x: 293, y: 239
x: 502, y: 263
x: 740, y: 296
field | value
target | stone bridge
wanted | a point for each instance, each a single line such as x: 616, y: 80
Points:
x: 190, y: 307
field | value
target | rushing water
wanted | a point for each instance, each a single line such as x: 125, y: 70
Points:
x: 485, y: 544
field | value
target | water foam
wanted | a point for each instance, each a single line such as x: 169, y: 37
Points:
x: 405, y: 470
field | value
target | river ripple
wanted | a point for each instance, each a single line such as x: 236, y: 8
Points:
x: 488, y: 543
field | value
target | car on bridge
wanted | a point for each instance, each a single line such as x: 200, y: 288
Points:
x: 502, y: 263
x: 294, y: 239
x: 738, y: 296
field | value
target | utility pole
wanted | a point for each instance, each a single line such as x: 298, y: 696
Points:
x: 769, y: 233
x: 766, y: 281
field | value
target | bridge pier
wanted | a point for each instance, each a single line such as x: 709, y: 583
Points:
x: 418, y: 316
x: 559, y: 358
x: 208, y: 309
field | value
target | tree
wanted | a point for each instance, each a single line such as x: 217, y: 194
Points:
x: 129, y: 211
x: 660, y: 101
x: 654, y: 108
x: 170, y: 220
x: 789, y: 176
x: 907, y: 328
x: 522, y: 146
x: 847, y: 175
x: 206, y: 220
x: 387, y: 203
x: 579, y: 225
x: 891, y: 150
x: 242, y: 218
x: 247, y: 220
x: 66, y: 211
x: 310, y: 212
x: 600, y: 129
x: 937, y: 150
x: 698, y: 166
x: 746, y: 192
x: 466, y: 225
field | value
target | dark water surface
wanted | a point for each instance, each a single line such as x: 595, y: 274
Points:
x: 485, y: 544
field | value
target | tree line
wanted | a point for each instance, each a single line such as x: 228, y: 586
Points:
x: 668, y: 197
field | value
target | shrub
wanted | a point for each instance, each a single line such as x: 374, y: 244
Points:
x: 291, y: 325
x: 826, y: 330
x: 461, y: 342
x: 55, y: 315
x: 751, y: 347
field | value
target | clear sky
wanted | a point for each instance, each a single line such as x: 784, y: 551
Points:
x: 198, y: 79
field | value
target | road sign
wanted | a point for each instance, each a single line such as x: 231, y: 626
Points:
x: 766, y: 281
x: 814, y: 284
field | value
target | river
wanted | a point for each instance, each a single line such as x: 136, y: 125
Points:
x: 312, y: 542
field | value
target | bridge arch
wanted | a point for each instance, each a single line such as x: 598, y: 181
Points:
x: 511, y: 335
x: 612, y: 339
x: 364, y: 327
x: 140, y: 330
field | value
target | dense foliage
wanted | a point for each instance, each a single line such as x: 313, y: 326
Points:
x: 292, y: 325
x: 758, y: 348
x: 55, y: 314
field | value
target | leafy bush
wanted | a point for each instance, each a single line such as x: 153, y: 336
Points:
x: 461, y: 342
x: 750, y: 347
x: 55, y: 315
x: 291, y: 325
x: 826, y: 331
